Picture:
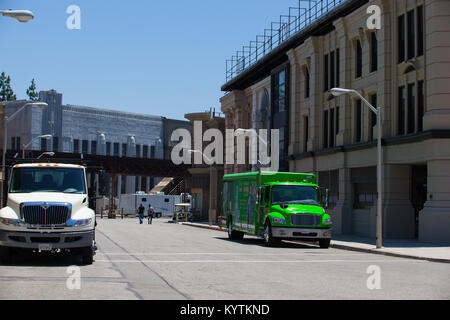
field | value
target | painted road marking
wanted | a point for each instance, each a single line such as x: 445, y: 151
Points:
x: 251, y: 261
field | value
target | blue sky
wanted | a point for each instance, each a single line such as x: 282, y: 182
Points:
x: 156, y: 57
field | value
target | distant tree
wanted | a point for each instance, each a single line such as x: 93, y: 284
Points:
x: 31, y: 91
x: 9, y: 91
x: 2, y: 87
x: 6, y: 92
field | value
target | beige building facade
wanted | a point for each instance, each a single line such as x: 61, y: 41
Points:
x: 403, y: 68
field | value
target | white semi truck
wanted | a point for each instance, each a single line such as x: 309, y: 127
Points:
x: 164, y: 205
x: 47, y: 210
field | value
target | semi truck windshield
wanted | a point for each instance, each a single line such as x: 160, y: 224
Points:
x: 295, y: 194
x: 35, y: 179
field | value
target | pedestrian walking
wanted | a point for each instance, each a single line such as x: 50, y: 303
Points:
x: 141, y: 211
x: 150, y: 213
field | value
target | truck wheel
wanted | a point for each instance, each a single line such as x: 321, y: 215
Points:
x: 87, y: 255
x: 269, y: 240
x: 6, y: 255
x: 233, y: 234
x: 324, y: 243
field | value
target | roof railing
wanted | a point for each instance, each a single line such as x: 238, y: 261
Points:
x: 299, y: 18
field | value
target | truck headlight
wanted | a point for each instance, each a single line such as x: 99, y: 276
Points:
x: 79, y: 223
x: 11, y: 222
x: 327, y: 222
x: 278, y: 220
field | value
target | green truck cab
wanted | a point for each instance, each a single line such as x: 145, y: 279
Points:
x: 276, y: 206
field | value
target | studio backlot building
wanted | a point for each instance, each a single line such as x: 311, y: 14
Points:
x: 403, y: 67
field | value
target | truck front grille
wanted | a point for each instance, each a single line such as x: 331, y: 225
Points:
x: 46, y: 214
x: 306, y: 219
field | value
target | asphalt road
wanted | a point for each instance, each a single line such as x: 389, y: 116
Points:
x: 173, y: 261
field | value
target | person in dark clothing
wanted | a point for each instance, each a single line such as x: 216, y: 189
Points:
x: 141, y: 211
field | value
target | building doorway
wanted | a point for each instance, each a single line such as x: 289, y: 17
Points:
x: 419, y: 177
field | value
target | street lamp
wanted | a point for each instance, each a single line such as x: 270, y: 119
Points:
x: 50, y: 153
x: 338, y: 92
x: 45, y: 136
x: 19, y: 15
x: 6, y: 120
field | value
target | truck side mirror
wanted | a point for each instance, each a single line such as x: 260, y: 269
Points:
x: 102, y: 182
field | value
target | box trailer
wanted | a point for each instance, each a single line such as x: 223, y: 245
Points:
x: 163, y: 205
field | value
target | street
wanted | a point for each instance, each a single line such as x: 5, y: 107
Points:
x: 174, y: 261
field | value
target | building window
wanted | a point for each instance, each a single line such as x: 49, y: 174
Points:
x: 325, y: 129
x: 84, y: 146
x: 411, y: 108
x: 337, y: 68
x: 411, y: 35
x: 307, y: 83
x: 325, y: 73
x: 279, y: 91
x: 373, y: 52
x: 420, y: 31
x: 358, y: 55
x: 138, y: 151
x: 401, y: 38
x: 373, y: 116
x: 55, y: 144
x: 306, y: 134
x: 337, y: 120
x: 116, y: 149
x: 93, y: 147
x: 76, y: 146
x: 401, y: 110
x: 152, y: 152
x: 124, y: 149
x: 421, y: 105
x: 332, y: 69
x: 332, y: 132
x: 145, y: 151
x: 358, y: 135
x: 43, y: 144
x: 108, y: 148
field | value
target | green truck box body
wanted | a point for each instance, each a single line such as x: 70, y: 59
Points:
x: 291, y: 203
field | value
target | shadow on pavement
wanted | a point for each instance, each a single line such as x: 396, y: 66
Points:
x: 29, y: 259
x: 260, y: 242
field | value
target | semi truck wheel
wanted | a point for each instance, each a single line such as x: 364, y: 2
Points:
x: 87, y: 255
x: 233, y: 234
x: 6, y: 255
x: 269, y: 240
x: 324, y: 243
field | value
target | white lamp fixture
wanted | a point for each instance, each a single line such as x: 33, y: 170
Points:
x: 19, y: 15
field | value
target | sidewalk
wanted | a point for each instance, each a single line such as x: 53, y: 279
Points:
x: 405, y: 248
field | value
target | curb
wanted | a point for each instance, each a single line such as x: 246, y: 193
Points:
x: 344, y: 247
x: 392, y: 254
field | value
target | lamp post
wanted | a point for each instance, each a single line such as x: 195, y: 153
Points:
x: 45, y: 136
x: 338, y: 92
x: 50, y: 153
x: 6, y: 120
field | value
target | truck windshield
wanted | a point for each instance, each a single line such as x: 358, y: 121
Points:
x: 36, y: 179
x: 295, y: 194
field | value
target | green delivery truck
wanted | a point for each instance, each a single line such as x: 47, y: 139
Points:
x: 276, y: 206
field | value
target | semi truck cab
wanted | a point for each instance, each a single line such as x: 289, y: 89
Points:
x: 47, y: 210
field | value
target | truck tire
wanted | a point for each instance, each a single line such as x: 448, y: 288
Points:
x: 269, y: 240
x: 233, y: 234
x: 6, y: 255
x: 324, y: 243
x: 87, y: 255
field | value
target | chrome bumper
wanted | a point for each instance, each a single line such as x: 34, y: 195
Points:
x: 301, y: 233
x: 32, y: 240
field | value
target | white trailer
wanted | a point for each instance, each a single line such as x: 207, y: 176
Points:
x: 164, y: 205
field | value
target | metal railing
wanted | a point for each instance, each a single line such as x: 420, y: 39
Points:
x: 299, y: 18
